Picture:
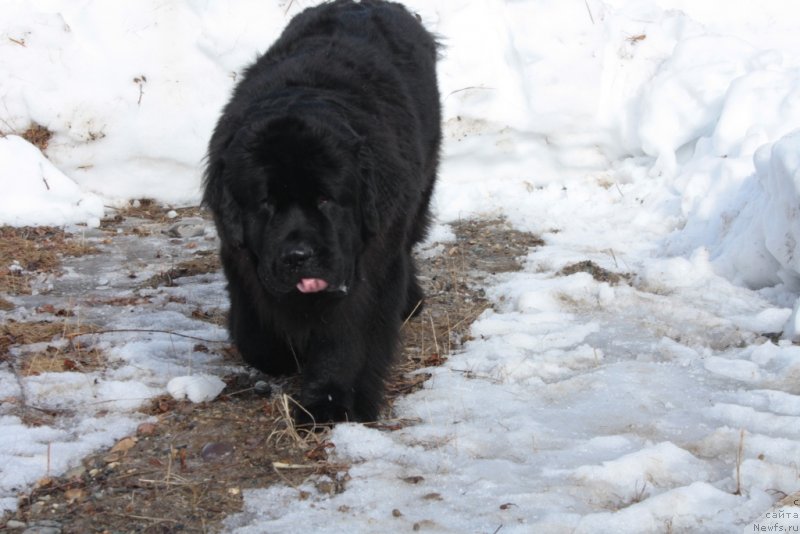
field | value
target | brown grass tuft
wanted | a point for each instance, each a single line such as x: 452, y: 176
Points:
x: 65, y: 354
x: 201, y: 264
x: 597, y: 272
x: 38, y: 135
x: 26, y: 250
x: 149, y: 210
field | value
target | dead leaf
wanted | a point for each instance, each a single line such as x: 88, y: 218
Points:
x: 320, y: 452
x: 45, y: 482
x: 124, y: 445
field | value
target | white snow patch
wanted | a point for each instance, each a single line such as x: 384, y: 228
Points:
x: 196, y: 388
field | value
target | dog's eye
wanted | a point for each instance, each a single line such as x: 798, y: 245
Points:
x: 321, y: 201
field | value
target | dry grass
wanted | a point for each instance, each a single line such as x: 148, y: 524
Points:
x: 58, y: 360
x: 200, y: 264
x: 598, y: 273
x: 37, y: 135
x: 63, y: 352
x: 23, y: 333
x: 29, y: 251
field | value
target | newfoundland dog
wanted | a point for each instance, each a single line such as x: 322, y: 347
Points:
x: 320, y: 172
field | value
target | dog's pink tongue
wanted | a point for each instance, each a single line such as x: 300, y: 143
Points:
x: 311, y: 285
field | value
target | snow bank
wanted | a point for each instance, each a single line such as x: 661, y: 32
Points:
x: 713, y: 115
x: 760, y: 246
x: 37, y: 193
x: 131, y: 92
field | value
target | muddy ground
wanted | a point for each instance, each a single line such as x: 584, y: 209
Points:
x: 186, y: 472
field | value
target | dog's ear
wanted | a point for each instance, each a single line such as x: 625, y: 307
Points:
x: 229, y: 218
x: 370, y: 219
x: 217, y: 197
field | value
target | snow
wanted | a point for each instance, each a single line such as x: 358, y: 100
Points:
x: 42, y: 193
x: 659, y: 138
x: 196, y: 388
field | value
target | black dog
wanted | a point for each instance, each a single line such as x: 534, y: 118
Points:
x: 319, y: 176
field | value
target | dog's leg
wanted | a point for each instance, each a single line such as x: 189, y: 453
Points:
x: 257, y: 344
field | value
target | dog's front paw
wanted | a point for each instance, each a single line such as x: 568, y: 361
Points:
x: 324, y: 405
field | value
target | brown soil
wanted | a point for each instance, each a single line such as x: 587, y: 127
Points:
x: 186, y: 471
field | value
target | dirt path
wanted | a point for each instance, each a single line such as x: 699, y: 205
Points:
x: 185, y: 471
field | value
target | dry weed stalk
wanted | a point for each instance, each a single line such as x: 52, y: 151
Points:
x: 739, y: 459
x: 286, y: 431
x: 433, y: 332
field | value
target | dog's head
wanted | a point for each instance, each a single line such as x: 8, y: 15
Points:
x: 293, y: 194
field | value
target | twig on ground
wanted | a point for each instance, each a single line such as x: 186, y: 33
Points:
x: 591, y: 17
x: 144, y: 330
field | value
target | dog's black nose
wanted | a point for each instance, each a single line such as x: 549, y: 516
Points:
x: 296, y: 255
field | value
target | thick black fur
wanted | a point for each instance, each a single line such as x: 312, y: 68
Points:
x: 321, y: 167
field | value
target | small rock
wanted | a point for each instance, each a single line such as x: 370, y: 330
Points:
x: 171, y: 214
x: 13, y: 524
x: 43, y: 527
x: 75, y: 472
x: 216, y: 450
x: 262, y: 388
x: 424, y: 524
x: 187, y: 228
